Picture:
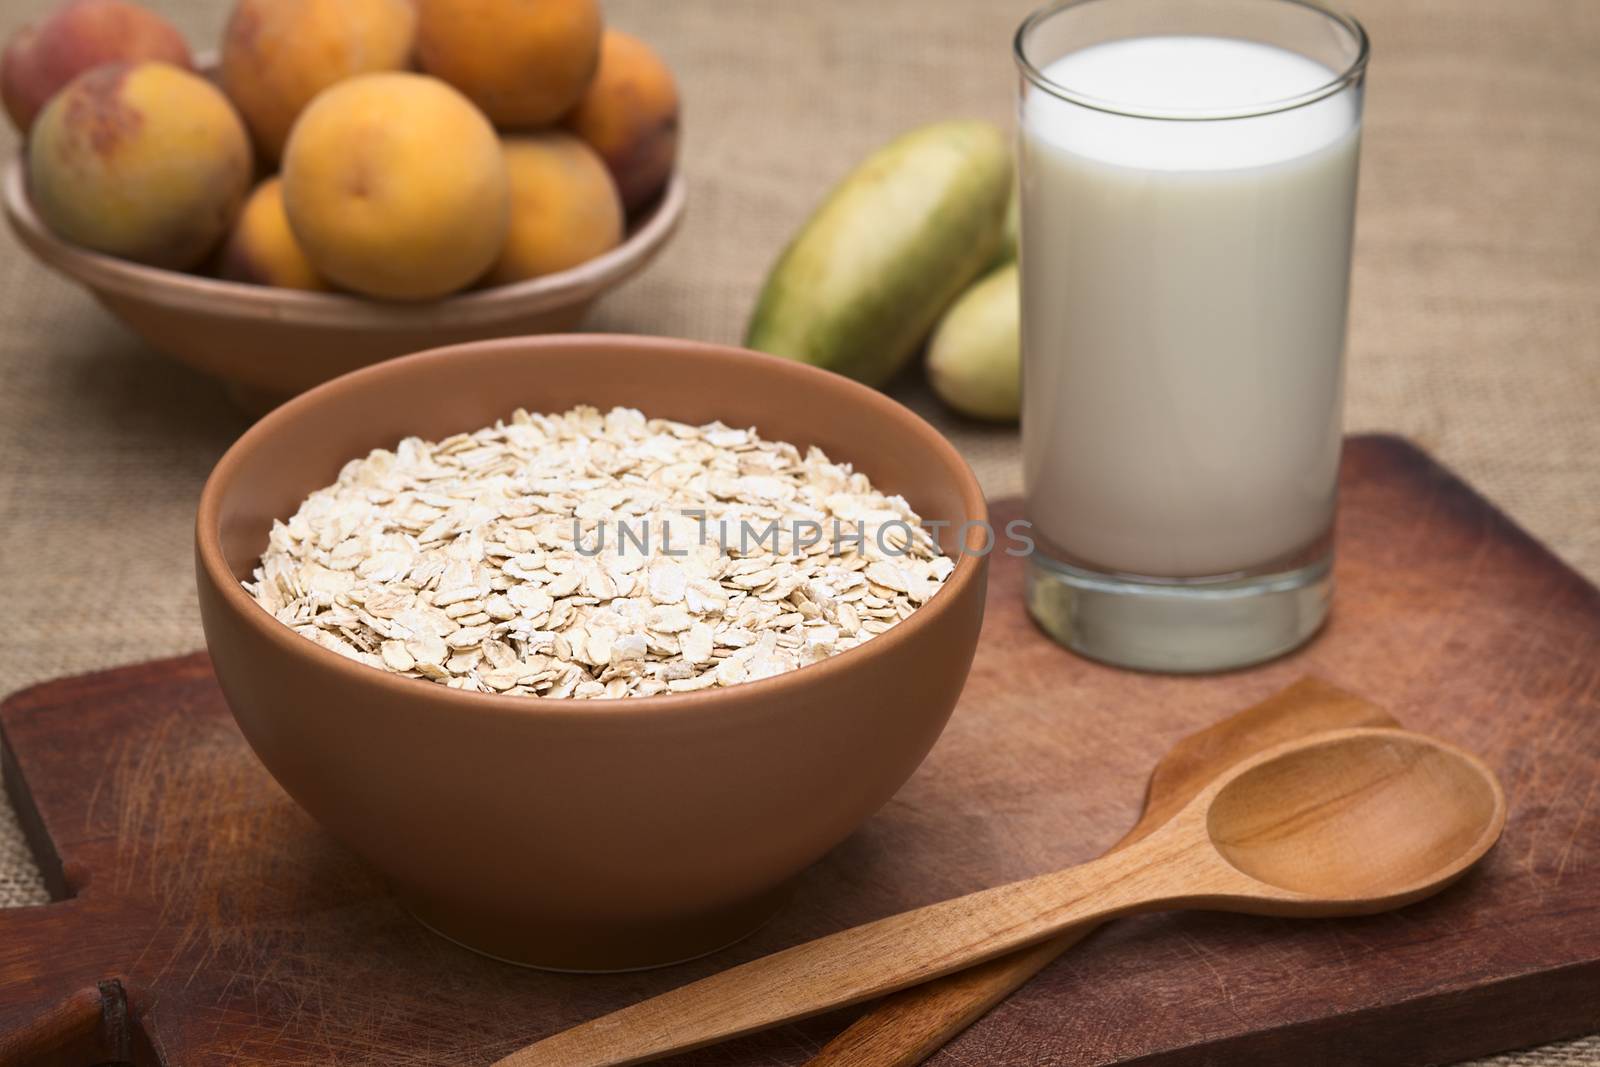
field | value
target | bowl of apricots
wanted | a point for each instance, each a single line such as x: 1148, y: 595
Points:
x: 344, y: 182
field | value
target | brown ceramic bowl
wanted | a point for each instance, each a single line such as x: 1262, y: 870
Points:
x: 269, y: 344
x: 588, y: 835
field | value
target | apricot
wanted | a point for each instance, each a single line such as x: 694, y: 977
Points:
x: 524, y: 62
x: 564, y: 207
x: 140, y: 160
x: 395, y: 186
x: 262, y: 249
x: 629, y: 114
x: 277, y: 55
x: 78, y: 36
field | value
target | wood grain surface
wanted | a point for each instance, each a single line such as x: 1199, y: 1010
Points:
x: 212, y: 922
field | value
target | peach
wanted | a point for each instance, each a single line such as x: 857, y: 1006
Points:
x: 140, y: 160
x: 78, y: 36
x: 524, y: 62
x: 395, y: 186
x: 630, y: 115
x: 277, y: 55
x: 564, y: 207
x: 262, y: 249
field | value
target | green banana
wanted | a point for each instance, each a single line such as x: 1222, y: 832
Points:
x: 863, y: 282
x: 975, y: 357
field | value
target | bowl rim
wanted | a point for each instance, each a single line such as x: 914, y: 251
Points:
x: 705, y: 704
x: 201, y: 293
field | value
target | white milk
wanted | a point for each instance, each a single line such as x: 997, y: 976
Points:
x: 1184, y: 294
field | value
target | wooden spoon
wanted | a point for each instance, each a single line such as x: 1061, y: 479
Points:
x: 1348, y: 822
x: 906, y: 1028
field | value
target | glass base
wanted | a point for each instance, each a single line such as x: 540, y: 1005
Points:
x: 1175, y: 626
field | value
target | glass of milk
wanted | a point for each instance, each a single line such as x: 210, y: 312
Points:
x: 1188, y: 182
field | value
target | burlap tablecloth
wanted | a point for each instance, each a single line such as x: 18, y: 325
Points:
x: 1475, y: 328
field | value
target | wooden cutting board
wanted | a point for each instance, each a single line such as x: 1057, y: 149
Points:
x: 204, y: 920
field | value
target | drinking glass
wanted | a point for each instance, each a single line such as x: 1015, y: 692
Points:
x: 1188, y: 190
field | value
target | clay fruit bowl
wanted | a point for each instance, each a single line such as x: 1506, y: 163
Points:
x: 587, y: 835
x: 269, y: 343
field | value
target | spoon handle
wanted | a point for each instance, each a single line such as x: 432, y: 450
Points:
x: 863, y: 962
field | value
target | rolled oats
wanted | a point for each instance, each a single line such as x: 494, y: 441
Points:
x: 596, y: 555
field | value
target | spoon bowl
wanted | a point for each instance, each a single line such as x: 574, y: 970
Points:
x: 1371, y: 818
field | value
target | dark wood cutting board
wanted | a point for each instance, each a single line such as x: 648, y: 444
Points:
x: 204, y: 920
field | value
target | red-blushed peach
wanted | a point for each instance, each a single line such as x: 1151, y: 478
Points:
x: 277, y: 55
x: 262, y: 248
x: 140, y: 160
x: 524, y: 62
x: 395, y: 186
x: 78, y: 36
x: 629, y: 114
x: 564, y: 207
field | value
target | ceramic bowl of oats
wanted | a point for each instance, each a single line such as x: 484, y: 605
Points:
x: 591, y: 643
